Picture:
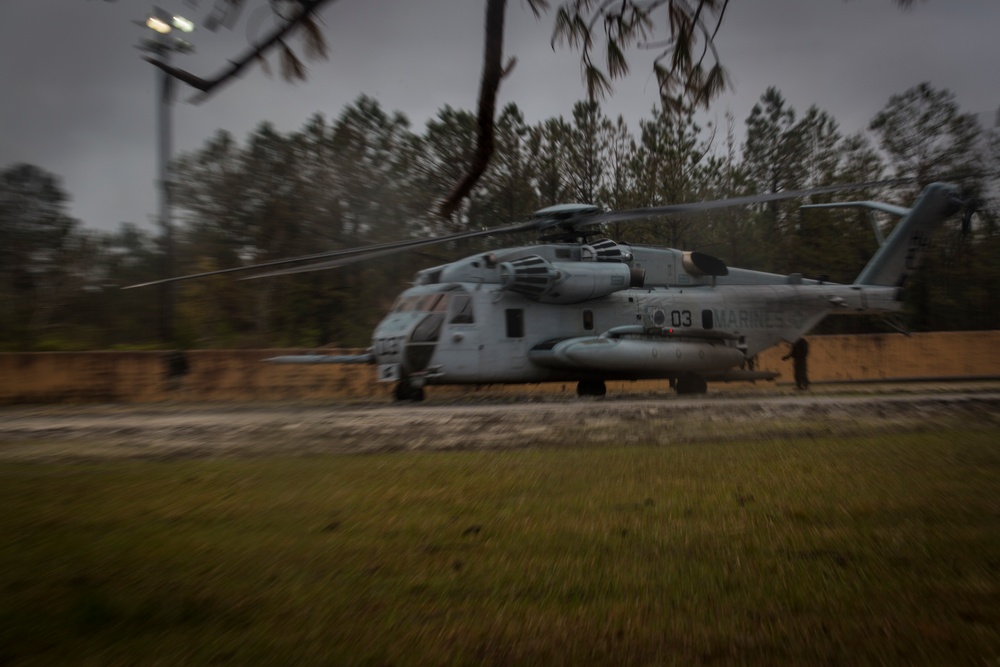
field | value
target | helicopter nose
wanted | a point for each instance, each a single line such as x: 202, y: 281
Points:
x: 404, y: 343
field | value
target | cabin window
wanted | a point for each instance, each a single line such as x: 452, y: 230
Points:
x: 707, y: 320
x: 515, y: 322
x: 588, y: 320
x: 461, y: 309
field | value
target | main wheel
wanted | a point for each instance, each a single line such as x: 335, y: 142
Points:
x: 591, y: 388
x: 691, y: 384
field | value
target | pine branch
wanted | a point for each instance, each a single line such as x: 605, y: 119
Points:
x: 208, y: 86
x: 493, y: 74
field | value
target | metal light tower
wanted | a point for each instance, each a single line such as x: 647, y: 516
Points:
x: 165, y: 39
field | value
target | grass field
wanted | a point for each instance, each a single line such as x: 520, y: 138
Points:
x: 869, y: 549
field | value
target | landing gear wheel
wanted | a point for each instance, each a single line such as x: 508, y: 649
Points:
x: 406, y: 391
x: 691, y: 384
x: 591, y: 388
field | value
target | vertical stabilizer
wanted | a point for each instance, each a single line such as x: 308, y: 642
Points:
x: 901, y: 253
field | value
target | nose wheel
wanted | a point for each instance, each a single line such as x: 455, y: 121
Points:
x: 408, y: 391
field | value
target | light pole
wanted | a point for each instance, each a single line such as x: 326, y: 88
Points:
x: 162, y: 43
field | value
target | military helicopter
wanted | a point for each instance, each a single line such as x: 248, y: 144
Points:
x: 580, y: 307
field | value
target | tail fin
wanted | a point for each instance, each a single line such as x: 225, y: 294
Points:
x: 901, y: 253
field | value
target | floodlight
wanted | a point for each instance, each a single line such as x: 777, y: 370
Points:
x: 158, y: 24
x: 183, y: 24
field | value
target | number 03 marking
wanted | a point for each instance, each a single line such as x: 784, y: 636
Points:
x: 680, y: 318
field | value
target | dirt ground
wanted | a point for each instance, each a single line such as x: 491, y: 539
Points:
x: 180, y: 430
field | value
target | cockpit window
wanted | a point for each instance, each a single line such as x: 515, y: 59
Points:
x: 406, y: 304
x: 424, y: 303
x: 461, y: 309
x: 438, y: 304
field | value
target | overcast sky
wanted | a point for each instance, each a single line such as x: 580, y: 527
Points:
x: 78, y: 101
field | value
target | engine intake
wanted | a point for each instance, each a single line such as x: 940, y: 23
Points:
x: 531, y: 276
x: 606, y: 250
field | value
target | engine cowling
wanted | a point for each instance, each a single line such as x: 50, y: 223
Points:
x: 567, y: 282
x: 699, y: 264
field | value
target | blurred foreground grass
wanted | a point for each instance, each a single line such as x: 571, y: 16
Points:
x: 853, y: 550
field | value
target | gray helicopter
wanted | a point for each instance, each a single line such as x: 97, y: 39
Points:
x: 588, y: 310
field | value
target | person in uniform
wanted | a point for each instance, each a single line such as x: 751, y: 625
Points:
x: 799, y: 353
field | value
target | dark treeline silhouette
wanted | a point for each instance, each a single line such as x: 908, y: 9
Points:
x: 367, y: 176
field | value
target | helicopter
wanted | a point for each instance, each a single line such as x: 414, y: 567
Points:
x: 580, y: 307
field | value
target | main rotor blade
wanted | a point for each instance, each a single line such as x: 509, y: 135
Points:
x: 343, y: 257
x: 349, y: 255
x: 372, y: 252
x: 673, y: 209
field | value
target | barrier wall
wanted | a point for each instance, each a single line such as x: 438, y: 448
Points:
x: 240, y: 375
x: 197, y: 375
x: 895, y: 356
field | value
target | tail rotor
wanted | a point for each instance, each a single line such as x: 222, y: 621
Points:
x: 971, y: 207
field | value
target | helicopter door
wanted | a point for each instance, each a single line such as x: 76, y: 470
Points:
x: 420, y: 349
x: 459, y: 345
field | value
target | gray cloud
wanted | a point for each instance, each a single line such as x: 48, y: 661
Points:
x: 79, y: 102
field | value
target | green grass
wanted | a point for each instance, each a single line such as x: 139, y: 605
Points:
x: 832, y: 550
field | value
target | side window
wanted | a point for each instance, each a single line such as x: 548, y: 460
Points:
x: 461, y: 309
x: 515, y: 323
x: 588, y: 320
x: 707, y: 320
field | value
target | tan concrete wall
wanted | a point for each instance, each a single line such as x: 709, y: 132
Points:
x: 235, y: 375
x: 137, y: 377
x: 79, y: 376
x: 894, y: 356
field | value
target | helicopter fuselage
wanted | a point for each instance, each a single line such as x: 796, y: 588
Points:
x: 476, y: 321
x: 590, y: 311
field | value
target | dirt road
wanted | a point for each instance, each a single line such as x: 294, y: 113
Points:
x: 80, y: 433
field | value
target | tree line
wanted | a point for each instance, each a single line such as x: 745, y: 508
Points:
x: 367, y: 176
